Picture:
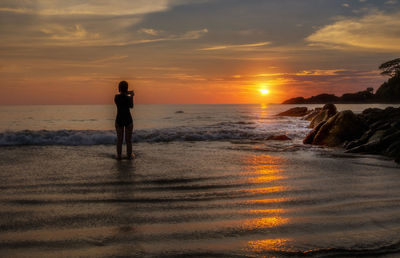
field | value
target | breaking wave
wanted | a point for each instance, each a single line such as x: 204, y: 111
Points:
x: 105, y: 137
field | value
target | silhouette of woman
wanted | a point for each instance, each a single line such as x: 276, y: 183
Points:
x: 123, y: 121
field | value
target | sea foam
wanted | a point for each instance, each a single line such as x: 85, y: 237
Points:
x: 105, y: 137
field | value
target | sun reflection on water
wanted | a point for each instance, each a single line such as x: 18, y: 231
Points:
x: 265, y: 222
x: 263, y: 190
x: 267, y: 171
x: 266, y: 211
x: 265, y: 179
x: 265, y: 245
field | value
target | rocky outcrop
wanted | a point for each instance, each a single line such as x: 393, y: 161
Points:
x: 313, y: 113
x: 281, y: 137
x: 296, y: 112
x: 340, y: 128
x: 311, y: 135
x: 382, y: 136
x: 375, y: 131
x: 327, y: 112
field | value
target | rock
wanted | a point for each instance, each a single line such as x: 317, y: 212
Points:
x: 331, y: 109
x: 376, y: 137
x: 320, y: 117
x: 278, y: 138
x: 344, y: 126
x: 296, y: 112
x: 374, y: 131
x: 179, y: 112
x: 369, y: 111
x: 393, y: 150
x: 364, y: 139
x: 313, y: 113
x: 327, y: 111
x: 384, y: 141
x: 311, y: 135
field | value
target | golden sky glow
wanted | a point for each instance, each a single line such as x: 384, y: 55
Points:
x: 194, y: 51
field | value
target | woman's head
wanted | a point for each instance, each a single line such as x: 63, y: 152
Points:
x: 123, y: 87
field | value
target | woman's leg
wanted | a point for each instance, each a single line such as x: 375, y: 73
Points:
x: 120, y: 139
x: 128, y: 140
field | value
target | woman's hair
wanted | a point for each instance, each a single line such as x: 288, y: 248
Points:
x: 123, y: 86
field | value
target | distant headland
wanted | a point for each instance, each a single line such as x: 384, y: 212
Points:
x: 388, y: 92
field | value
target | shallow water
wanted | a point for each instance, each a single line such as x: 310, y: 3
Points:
x: 206, y: 182
x: 198, y: 199
x: 94, y: 124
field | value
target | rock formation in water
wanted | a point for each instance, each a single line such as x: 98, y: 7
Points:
x: 374, y: 131
x: 324, y: 114
x: 281, y: 137
x: 296, y: 112
x: 382, y: 136
x: 340, y: 128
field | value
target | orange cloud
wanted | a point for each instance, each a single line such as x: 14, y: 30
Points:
x: 376, y: 31
x: 236, y: 47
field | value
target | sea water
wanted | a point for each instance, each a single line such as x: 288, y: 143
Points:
x: 94, y: 124
x: 205, y: 182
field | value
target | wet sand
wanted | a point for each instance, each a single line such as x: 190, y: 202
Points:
x: 199, y: 199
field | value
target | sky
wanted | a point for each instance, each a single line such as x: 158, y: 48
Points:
x: 192, y: 51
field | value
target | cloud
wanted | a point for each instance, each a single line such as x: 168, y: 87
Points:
x: 43, y: 23
x: 319, y: 72
x: 375, y: 31
x: 110, y: 59
x: 188, y: 35
x: 236, y: 47
x: 391, y: 2
x: 63, y: 33
x: 151, y: 32
x: 88, y: 7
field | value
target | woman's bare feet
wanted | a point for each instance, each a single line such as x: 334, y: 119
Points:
x: 130, y: 157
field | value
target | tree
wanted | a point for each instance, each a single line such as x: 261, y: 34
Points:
x: 391, y: 68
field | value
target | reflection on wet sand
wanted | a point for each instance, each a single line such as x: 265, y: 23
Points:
x: 268, y: 170
x: 265, y: 222
x: 125, y: 175
x: 262, y: 246
x: 176, y: 201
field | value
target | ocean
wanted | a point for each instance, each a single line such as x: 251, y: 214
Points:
x: 205, y: 182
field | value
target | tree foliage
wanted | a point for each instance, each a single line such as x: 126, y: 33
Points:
x: 391, y: 68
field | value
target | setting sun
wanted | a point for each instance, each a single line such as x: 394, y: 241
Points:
x: 264, y: 91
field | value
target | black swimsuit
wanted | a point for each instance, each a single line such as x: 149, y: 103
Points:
x: 124, y: 104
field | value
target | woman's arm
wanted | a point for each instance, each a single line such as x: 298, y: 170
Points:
x: 131, y: 101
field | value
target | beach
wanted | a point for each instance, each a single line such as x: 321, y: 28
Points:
x: 205, y: 182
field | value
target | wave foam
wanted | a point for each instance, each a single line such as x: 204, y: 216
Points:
x: 97, y: 137
x: 220, y: 131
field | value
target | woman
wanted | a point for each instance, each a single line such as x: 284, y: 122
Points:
x: 123, y: 121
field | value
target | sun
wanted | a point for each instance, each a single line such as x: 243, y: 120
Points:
x: 264, y: 91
